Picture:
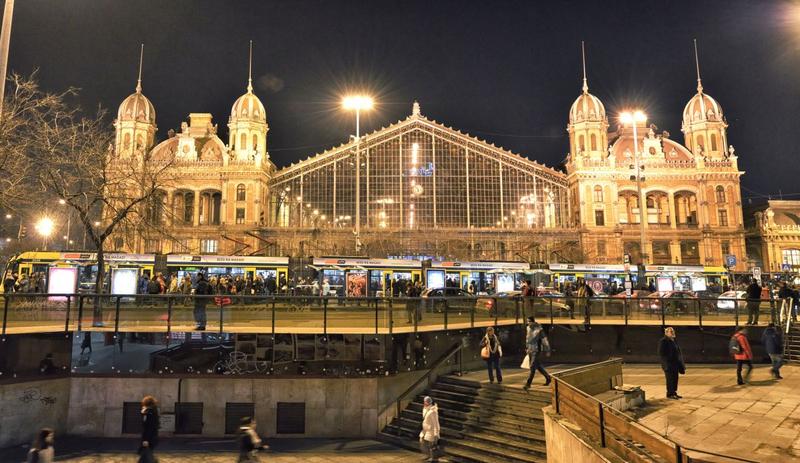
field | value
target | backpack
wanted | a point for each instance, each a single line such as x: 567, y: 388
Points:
x: 733, y: 346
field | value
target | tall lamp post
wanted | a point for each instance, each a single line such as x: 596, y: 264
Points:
x: 358, y: 103
x: 634, y: 118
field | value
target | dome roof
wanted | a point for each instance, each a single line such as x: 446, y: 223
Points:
x: 587, y: 108
x: 669, y: 150
x: 137, y: 107
x: 702, y: 108
x: 248, y: 106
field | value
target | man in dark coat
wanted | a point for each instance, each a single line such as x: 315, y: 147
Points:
x: 202, y: 289
x: 773, y: 344
x: 753, y: 302
x: 671, y: 362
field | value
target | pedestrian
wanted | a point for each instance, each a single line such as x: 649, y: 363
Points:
x: 429, y: 436
x: 585, y: 294
x: 153, y: 289
x: 87, y: 342
x: 8, y: 282
x: 42, y: 450
x: 201, y: 292
x: 753, y: 302
x: 671, y: 362
x: 492, y: 351
x: 739, y: 346
x: 527, y: 297
x: 150, y: 425
x: 773, y: 344
x: 249, y: 442
x: 537, y: 345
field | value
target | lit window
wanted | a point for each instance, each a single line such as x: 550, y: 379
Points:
x: 723, y: 218
x: 208, y: 246
x: 239, y: 215
x: 720, y: 193
x: 598, y: 194
x: 791, y: 257
x: 241, y: 192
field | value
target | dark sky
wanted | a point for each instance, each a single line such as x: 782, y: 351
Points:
x: 506, y: 71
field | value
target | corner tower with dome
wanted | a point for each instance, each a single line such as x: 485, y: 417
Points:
x: 693, y: 210
x: 216, y: 193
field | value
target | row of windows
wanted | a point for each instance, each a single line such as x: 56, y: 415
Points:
x: 600, y: 219
x: 207, y: 246
x: 719, y: 194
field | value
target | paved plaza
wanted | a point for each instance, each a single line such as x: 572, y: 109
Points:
x: 759, y: 421
x: 76, y: 450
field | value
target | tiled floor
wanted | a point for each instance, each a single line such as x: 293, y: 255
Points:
x: 759, y: 421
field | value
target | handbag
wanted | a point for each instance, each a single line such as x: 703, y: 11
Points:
x: 485, y: 353
x: 526, y: 362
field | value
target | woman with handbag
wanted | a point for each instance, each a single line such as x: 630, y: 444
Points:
x: 491, y: 351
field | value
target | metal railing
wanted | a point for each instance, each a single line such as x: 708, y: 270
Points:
x: 32, y: 312
x: 615, y: 429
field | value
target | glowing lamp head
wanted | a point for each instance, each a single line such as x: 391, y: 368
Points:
x: 357, y: 102
x: 45, y: 226
x: 629, y: 117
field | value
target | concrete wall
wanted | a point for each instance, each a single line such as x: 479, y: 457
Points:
x: 26, y: 407
x: 336, y: 407
x: 565, y: 443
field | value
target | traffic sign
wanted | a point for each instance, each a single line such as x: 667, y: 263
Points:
x: 222, y: 300
x: 786, y: 267
x: 730, y: 260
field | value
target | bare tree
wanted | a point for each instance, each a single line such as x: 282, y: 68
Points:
x: 74, y: 161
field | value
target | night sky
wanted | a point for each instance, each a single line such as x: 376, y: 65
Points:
x: 505, y: 71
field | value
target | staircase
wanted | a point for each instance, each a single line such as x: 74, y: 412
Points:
x: 791, y: 347
x: 480, y: 422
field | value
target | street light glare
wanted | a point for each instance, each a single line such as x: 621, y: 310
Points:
x: 45, y: 226
x: 357, y: 102
x: 628, y: 117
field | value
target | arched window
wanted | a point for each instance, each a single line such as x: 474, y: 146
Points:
x: 581, y: 143
x: 255, y: 142
x: 598, y: 194
x: 243, y: 142
x: 593, y: 141
x: 720, y: 193
x: 126, y: 141
x: 713, y: 142
x: 241, y: 192
x: 700, y: 142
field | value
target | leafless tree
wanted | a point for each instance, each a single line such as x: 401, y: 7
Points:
x: 73, y: 159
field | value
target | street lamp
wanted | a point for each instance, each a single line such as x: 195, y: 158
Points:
x: 45, y: 227
x: 358, y: 103
x: 634, y: 118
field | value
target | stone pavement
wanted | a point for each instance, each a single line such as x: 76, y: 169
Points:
x: 77, y: 450
x: 759, y: 421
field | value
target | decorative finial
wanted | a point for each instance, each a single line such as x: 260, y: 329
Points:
x: 415, y: 109
x: 139, y: 80
x: 697, y: 65
x: 583, y: 59
x: 250, y: 71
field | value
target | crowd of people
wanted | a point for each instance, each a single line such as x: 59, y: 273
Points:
x: 33, y: 283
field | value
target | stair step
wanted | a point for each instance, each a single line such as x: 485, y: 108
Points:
x: 493, y: 431
x: 503, y: 393
x: 532, y: 446
x: 457, y: 409
x: 490, y: 403
x: 494, y: 454
x: 475, y: 422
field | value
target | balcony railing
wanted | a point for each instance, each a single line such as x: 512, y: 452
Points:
x: 283, y: 313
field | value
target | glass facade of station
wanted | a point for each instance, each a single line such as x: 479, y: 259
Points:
x: 414, y: 175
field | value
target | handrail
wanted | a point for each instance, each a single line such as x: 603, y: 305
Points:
x: 602, y: 406
x: 455, y: 348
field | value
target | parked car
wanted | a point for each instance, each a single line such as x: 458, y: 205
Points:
x: 674, y: 302
x: 507, y: 303
x: 452, y: 298
x: 726, y: 302
x: 638, y: 297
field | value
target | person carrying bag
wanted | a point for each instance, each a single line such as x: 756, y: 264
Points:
x: 491, y: 352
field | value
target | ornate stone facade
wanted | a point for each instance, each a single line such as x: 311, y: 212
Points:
x: 773, y: 236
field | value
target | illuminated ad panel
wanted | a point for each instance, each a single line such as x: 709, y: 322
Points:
x: 123, y: 280
x: 62, y: 280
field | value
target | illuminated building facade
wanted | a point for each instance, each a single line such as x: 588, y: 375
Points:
x: 773, y: 236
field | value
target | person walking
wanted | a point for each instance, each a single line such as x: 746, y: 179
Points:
x: 585, y: 294
x: 150, y: 425
x: 42, y: 450
x: 429, y: 436
x: 537, y: 345
x: 671, y: 362
x: 249, y: 442
x: 740, y: 348
x: 492, y: 351
x: 753, y: 302
x: 86, y: 343
x: 773, y: 344
x: 201, y: 291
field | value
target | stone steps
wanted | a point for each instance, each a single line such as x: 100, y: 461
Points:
x: 479, y: 422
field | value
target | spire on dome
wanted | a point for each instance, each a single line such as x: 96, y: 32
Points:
x: 583, y: 60
x: 697, y: 66
x: 139, y: 80
x: 250, y: 71
x: 415, y: 111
